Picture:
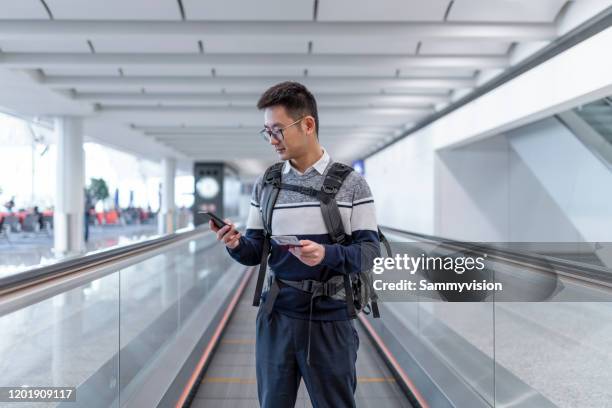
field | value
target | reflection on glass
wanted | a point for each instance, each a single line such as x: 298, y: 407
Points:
x: 108, y: 337
x: 68, y: 340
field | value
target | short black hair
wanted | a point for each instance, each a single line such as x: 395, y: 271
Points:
x: 295, y: 97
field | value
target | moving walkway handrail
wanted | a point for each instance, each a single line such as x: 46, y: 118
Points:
x: 42, y: 274
x: 588, y: 273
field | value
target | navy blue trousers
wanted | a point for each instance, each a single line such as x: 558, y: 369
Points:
x: 281, y: 351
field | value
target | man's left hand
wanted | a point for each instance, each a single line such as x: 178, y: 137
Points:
x: 310, y: 253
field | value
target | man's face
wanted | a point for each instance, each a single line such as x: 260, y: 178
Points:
x: 295, y: 140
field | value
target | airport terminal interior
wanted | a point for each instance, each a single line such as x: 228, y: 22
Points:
x: 482, y: 127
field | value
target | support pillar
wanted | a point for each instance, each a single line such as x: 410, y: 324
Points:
x: 166, y: 222
x: 68, y: 213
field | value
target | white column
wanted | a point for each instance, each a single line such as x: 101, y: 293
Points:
x: 68, y: 223
x: 166, y: 221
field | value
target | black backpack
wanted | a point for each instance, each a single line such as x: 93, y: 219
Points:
x: 355, y: 289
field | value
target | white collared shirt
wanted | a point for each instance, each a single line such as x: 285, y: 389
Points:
x: 320, y: 165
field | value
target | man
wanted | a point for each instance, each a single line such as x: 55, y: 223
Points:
x: 299, y: 339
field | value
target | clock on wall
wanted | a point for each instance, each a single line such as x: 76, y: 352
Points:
x: 208, y: 190
x: 207, y: 187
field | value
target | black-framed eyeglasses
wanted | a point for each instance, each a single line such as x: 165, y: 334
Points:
x: 277, y: 133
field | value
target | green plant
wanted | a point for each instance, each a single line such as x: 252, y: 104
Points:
x: 98, y: 190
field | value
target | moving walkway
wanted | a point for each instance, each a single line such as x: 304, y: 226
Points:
x: 168, y: 322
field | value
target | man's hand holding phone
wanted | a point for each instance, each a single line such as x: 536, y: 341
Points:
x: 226, y: 233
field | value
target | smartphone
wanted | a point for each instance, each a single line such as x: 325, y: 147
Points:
x: 219, y: 223
x: 287, y: 241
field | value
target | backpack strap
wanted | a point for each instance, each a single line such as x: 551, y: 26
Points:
x: 385, y: 242
x: 309, y: 191
x: 332, y: 182
x: 374, y: 297
x: 269, y: 194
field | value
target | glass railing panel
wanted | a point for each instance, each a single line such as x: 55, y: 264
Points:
x: 598, y: 114
x: 461, y: 335
x: 200, y: 275
x: 161, y: 297
x: 451, y: 343
x: 68, y: 340
x: 561, y: 350
x: 149, y: 314
x: 542, y: 339
x: 115, y: 336
x: 592, y: 124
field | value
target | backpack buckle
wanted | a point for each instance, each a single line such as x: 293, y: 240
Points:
x: 274, y: 181
x: 305, y: 190
x: 330, y: 289
x: 331, y: 184
x: 330, y: 189
x: 340, y: 238
x: 307, y: 285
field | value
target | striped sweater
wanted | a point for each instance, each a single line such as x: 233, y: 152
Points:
x: 300, y: 215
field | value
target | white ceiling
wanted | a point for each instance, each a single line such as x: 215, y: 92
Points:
x: 22, y: 9
x: 114, y: 9
x: 44, y: 45
x: 382, y: 10
x: 538, y: 11
x: 183, y: 77
x: 270, y: 10
x: 365, y: 46
x: 457, y: 47
x: 144, y: 44
x: 254, y: 45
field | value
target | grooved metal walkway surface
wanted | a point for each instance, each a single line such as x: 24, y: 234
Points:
x: 230, y: 380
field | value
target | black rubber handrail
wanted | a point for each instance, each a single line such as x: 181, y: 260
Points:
x: 44, y: 273
x: 578, y: 270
